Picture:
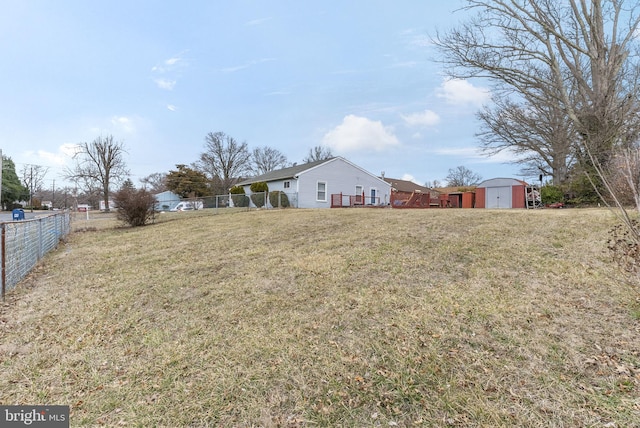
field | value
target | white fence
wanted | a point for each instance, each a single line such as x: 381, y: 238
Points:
x: 23, y: 243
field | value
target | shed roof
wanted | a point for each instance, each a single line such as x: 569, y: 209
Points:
x: 501, y: 181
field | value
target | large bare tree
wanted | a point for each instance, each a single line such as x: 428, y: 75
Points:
x: 581, y: 55
x: 224, y: 161
x: 538, y: 132
x: 266, y: 159
x: 99, y: 165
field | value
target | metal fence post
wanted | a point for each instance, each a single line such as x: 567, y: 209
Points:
x: 40, y: 239
x: 3, y: 248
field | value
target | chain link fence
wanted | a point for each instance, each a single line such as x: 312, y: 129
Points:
x: 23, y: 243
x: 262, y: 200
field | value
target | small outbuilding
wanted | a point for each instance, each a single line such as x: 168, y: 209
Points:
x: 501, y: 193
x: 166, y: 200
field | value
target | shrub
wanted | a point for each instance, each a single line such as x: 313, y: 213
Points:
x: 279, y: 199
x: 258, y: 191
x: 551, y: 194
x: 238, y: 196
x: 135, y: 207
x: 624, y: 246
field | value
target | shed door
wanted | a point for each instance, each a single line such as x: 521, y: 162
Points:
x: 498, y: 197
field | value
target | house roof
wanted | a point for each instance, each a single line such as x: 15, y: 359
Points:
x: 407, y: 186
x: 284, y: 173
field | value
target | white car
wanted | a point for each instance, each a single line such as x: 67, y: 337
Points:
x: 183, y: 206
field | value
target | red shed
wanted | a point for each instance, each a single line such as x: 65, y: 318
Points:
x: 501, y: 193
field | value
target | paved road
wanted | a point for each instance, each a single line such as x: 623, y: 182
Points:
x: 8, y: 215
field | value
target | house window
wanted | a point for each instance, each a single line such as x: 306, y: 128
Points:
x: 359, y: 193
x: 287, y: 184
x: 321, y: 194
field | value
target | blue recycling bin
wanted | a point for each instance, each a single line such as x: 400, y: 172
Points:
x: 18, y: 214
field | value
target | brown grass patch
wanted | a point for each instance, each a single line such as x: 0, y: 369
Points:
x: 331, y: 318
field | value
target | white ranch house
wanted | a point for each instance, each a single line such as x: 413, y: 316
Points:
x: 326, y: 183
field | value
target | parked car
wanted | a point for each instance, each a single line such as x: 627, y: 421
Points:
x: 183, y: 206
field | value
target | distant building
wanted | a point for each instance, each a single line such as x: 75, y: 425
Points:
x: 166, y: 201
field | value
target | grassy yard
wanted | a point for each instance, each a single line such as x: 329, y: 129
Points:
x: 360, y: 317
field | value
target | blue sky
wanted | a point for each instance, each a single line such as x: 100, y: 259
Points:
x: 356, y: 76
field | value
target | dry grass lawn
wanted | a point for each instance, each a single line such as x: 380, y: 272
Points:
x: 361, y: 317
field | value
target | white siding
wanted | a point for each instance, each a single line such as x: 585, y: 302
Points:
x: 341, y: 177
x: 278, y: 185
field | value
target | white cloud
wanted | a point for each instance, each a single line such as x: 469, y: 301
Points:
x: 460, y: 92
x: 471, y: 152
x: 425, y: 118
x: 251, y: 63
x: 359, y: 133
x: 56, y: 159
x: 123, y: 123
x: 416, y: 38
x: 171, y: 107
x: 167, y: 84
x: 170, y: 64
x: 172, y: 61
x: 408, y: 177
x: 476, y: 154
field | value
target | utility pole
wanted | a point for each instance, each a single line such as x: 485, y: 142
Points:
x: 53, y: 194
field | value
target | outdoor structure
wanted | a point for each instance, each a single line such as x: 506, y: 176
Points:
x: 112, y: 205
x: 166, y: 201
x: 503, y: 193
x: 457, y: 197
x: 407, y: 194
x: 333, y: 182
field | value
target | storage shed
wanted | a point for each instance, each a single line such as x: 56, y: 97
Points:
x: 501, y: 193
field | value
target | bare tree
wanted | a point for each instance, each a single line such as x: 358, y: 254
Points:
x: 318, y: 153
x: 579, y: 54
x: 536, y: 130
x: 462, y: 176
x: 265, y: 159
x: 155, y: 183
x: 99, y: 165
x: 224, y: 161
x: 33, y: 179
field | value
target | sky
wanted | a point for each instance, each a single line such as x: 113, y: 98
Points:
x: 360, y: 77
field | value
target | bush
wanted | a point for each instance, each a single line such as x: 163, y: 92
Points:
x: 279, y: 199
x: 238, y: 196
x: 258, y: 191
x: 135, y: 207
x: 551, y: 194
x: 624, y: 246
